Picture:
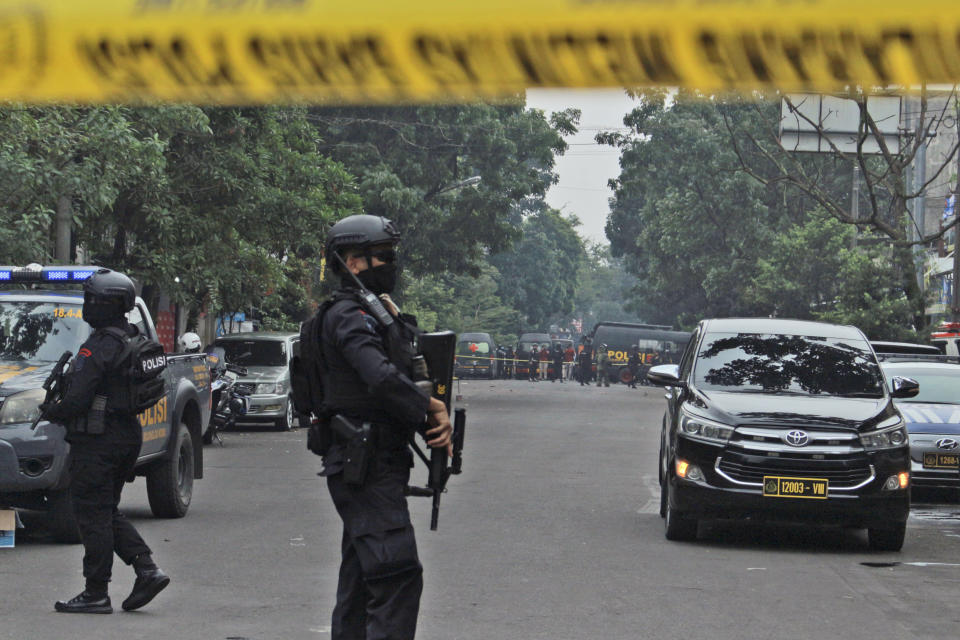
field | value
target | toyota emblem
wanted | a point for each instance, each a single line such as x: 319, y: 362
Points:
x: 947, y: 444
x: 796, y: 438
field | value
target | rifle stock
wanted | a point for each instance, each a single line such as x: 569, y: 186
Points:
x: 53, y: 385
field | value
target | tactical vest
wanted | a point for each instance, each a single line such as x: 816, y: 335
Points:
x: 344, y: 390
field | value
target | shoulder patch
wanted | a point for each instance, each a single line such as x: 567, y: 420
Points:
x: 86, y: 353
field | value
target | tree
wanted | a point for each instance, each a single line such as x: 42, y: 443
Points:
x: 540, y: 275
x: 462, y: 303
x: 813, y: 273
x: 689, y: 224
x: 884, y: 175
x: 406, y: 157
x: 603, y: 289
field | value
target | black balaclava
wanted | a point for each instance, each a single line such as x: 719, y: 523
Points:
x: 380, y: 279
x: 100, y: 313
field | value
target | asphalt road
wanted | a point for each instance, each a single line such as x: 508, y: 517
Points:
x: 552, y: 533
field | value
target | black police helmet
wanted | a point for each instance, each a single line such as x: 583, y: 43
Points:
x: 106, y: 285
x: 359, y: 231
x: 107, y: 295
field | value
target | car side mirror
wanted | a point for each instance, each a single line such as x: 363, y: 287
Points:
x: 666, y: 375
x: 904, y: 387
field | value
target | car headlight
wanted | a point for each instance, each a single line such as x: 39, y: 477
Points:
x: 699, y: 428
x: 270, y: 388
x: 890, y: 434
x: 22, y: 407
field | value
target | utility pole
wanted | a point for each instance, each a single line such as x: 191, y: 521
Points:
x: 855, y: 201
x: 63, y: 222
x: 955, y: 296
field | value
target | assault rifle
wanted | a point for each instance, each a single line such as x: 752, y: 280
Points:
x: 437, y: 354
x: 433, y: 369
x: 55, y: 385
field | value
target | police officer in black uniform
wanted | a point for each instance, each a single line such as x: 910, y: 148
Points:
x: 366, y: 377
x: 100, y: 463
x: 585, y: 361
x: 633, y: 365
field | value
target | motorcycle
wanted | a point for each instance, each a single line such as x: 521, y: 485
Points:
x: 230, y: 400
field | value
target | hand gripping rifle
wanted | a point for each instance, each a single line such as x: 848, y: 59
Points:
x: 55, y: 385
x: 437, y: 351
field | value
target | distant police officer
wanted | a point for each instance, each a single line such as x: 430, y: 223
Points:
x: 557, y: 363
x: 585, y: 361
x: 603, y: 362
x: 367, y: 379
x: 633, y: 364
x: 100, y: 463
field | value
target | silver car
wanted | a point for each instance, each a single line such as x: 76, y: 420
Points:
x: 933, y: 418
x: 266, y: 356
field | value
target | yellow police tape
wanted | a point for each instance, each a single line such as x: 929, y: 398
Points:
x: 377, y: 51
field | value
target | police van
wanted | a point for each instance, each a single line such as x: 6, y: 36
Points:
x: 475, y: 356
x: 658, y: 344
x: 40, y: 318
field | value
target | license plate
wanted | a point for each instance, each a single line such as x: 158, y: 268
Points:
x: 941, y: 460
x: 783, y: 487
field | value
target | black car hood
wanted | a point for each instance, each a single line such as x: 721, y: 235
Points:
x: 17, y: 375
x: 828, y: 412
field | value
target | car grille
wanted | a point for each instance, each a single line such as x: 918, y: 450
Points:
x: 247, y: 386
x: 755, y: 452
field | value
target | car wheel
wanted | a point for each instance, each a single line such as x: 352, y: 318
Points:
x: 170, y: 481
x: 887, y: 539
x: 61, y: 521
x: 677, y: 527
x: 286, y: 422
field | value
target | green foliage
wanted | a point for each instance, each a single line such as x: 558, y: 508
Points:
x: 540, y: 275
x: 461, y: 303
x: 603, y: 290
x: 406, y: 158
x: 224, y: 208
x: 814, y: 273
x: 689, y: 225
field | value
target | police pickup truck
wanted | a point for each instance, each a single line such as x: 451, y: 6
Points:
x: 40, y: 318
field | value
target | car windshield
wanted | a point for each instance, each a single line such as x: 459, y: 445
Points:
x: 935, y: 386
x: 468, y: 348
x: 527, y: 346
x: 254, y: 353
x: 40, y: 331
x: 776, y: 363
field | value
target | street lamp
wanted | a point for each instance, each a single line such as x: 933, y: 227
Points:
x: 469, y: 182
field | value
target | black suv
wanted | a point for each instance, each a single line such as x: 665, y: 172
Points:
x: 783, y: 420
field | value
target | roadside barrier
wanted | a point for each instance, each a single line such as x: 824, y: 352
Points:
x: 382, y: 51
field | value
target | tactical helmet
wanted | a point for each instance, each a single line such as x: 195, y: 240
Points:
x: 107, y: 295
x: 360, y: 231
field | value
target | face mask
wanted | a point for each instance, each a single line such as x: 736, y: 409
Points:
x: 381, y: 279
x: 99, y: 314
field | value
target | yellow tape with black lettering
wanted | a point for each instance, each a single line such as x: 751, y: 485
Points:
x: 375, y: 51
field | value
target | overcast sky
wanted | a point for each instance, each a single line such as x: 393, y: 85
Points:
x: 586, y: 167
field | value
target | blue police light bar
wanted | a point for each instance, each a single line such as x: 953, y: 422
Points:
x: 50, y: 275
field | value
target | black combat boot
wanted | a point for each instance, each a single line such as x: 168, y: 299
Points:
x: 150, y: 581
x: 86, y: 603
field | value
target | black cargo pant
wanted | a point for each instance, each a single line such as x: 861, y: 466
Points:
x: 378, y: 595
x: 98, y: 470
